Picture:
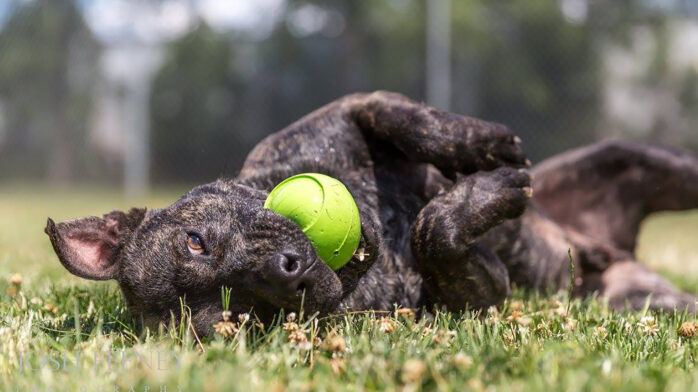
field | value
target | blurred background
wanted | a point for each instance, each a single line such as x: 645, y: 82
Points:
x: 107, y: 104
x: 136, y: 94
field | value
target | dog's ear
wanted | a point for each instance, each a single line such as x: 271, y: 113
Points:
x: 89, y: 247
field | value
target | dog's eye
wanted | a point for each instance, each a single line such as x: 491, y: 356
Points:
x: 195, y: 244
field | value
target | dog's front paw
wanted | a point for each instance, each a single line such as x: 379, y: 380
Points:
x: 499, y: 194
x: 480, y: 145
x: 475, y: 204
x: 500, y: 148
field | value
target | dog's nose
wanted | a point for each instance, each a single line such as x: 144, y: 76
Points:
x: 286, y: 274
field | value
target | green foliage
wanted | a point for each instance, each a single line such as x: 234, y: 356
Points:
x: 518, y: 62
x: 536, y: 72
x: 47, y: 67
x: 195, y: 135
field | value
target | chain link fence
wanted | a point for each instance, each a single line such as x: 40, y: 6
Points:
x: 178, y: 91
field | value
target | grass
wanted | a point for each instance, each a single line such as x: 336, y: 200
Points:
x: 59, y: 333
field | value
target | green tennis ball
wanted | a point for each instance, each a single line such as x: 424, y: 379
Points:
x: 326, y: 212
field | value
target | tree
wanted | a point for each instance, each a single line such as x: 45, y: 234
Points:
x: 47, y: 67
x: 530, y: 69
x: 193, y: 104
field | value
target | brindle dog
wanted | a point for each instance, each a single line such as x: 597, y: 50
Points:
x: 446, y: 212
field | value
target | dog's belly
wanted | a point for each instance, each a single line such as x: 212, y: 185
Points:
x: 384, y: 286
x: 393, y: 278
x: 534, y: 249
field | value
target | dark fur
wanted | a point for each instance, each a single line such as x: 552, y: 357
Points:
x: 441, y: 198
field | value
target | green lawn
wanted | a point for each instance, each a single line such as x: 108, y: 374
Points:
x: 62, y: 333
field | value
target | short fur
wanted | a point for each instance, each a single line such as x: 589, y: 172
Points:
x: 446, y: 211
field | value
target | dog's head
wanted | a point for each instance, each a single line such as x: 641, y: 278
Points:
x: 214, y: 236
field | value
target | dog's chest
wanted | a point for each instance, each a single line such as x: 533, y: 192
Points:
x: 393, y: 279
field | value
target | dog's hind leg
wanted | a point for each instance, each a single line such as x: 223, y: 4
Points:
x: 629, y: 284
x: 605, y: 190
x: 600, y: 194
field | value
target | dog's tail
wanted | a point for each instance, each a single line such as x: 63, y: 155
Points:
x: 605, y: 190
